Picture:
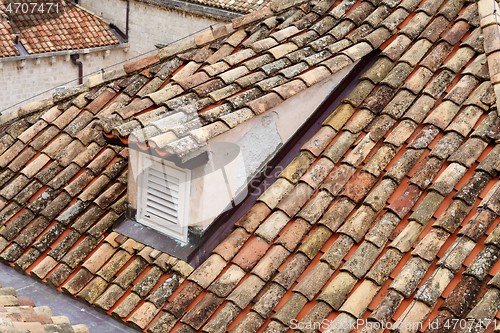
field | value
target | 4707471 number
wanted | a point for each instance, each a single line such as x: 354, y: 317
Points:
x: 32, y: 8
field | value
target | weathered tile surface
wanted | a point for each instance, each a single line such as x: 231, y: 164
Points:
x: 19, y: 314
x: 393, y: 201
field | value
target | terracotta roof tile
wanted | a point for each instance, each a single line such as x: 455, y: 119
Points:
x: 291, y: 308
x: 316, y: 175
x: 246, y: 291
x: 264, y: 103
x: 360, y: 298
x: 408, y: 237
x: 319, y: 142
x: 254, y: 217
x: 337, y: 63
x: 251, y: 322
x: 92, y: 31
x: 335, y: 47
x: 269, y: 264
x: 315, y: 241
x: 380, y: 194
x: 337, y: 290
x: 456, y: 32
x: 459, y: 59
x: 384, y: 266
x: 468, y: 286
x: 454, y: 260
x: 290, y: 237
x: 373, y: 199
x: 293, y: 269
x: 484, y: 311
x: 412, y: 273
x: 269, y: 299
x: 339, y: 117
x: 20, y: 314
x: 216, y: 263
x: 453, y: 216
x: 494, y: 237
x: 159, y: 295
x: 143, y: 315
x: 468, y: 151
x: 110, y: 297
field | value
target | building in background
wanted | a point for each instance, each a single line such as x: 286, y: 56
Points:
x: 150, y: 23
x: 44, y: 47
x: 384, y: 215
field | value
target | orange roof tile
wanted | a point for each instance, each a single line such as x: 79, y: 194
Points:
x: 49, y: 27
x: 388, y: 213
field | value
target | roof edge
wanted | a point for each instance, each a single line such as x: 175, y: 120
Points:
x: 90, y: 12
x: 200, y: 39
x: 212, y: 33
x: 6, y: 116
x: 124, y: 46
x: 196, y: 9
x: 196, y: 40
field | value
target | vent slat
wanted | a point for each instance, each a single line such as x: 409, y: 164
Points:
x: 160, y: 174
x: 153, y: 207
x: 166, y: 205
x: 161, y: 215
x: 162, y: 198
x: 168, y: 200
x: 162, y: 183
x: 163, y: 191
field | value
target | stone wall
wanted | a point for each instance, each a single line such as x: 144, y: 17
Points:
x: 33, y: 78
x: 149, y: 24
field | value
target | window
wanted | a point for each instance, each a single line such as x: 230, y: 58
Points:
x: 163, y: 200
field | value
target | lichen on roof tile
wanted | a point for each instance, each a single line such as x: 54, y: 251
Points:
x: 393, y: 201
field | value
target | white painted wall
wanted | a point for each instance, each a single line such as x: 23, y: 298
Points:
x: 257, y: 140
x: 149, y: 24
x: 23, y: 79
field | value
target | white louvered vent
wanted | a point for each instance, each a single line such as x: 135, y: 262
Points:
x: 164, y: 200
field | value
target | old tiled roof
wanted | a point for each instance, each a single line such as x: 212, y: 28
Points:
x: 50, y: 29
x: 389, y: 213
x: 20, y: 315
x: 240, y: 6
x: 233, y: 72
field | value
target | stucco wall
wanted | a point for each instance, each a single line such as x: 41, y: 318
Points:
x: 149, y: 24
x: 258, y: 140
x: 24, y: 79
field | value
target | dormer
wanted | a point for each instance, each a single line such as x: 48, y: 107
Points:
x: 190, y: 169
